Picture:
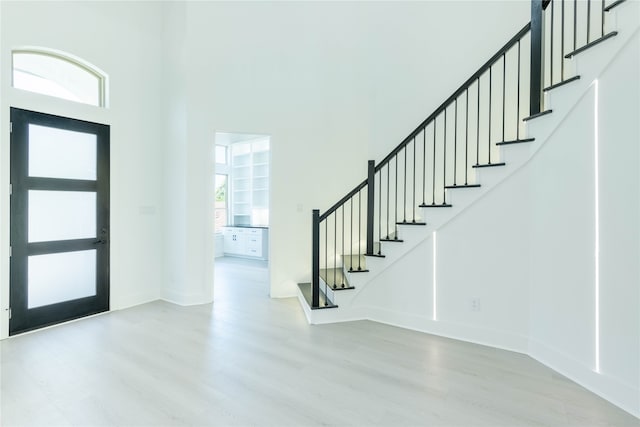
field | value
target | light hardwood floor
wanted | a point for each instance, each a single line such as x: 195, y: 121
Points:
x: 251, y: 360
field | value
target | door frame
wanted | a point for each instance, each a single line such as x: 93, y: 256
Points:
x: 22, y: 318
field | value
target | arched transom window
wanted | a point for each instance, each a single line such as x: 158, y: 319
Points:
x: 56, y: 74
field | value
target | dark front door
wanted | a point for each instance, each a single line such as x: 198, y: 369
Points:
x: 59, y: 219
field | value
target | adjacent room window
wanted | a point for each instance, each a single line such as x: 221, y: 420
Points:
x: 54, y: 74
x: 221, y: 202
x: 221, y: 154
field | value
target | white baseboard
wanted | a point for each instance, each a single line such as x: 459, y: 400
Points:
x: 623, y: 395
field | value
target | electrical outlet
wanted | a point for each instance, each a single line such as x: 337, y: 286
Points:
x: 475, y: 304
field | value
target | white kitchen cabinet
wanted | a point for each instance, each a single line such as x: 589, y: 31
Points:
x: 232, y: 240
x: 250, y: 242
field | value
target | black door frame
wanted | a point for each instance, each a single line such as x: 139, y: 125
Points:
x: 22, y: 318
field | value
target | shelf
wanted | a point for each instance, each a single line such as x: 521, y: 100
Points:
x: 250, y: 183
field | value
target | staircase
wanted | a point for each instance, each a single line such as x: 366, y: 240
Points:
x: 484, y: 132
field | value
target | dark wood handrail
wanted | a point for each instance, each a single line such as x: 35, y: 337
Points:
x: 433, y: 115
x: 456, y: 94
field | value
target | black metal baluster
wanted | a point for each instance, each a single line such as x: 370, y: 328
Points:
x: 588, y: 20
x: 414, y: 179
x: 518, y: 107
x: 359, y: 228
x: 562, y: 41
x: 455, y: 144
x: 433, y: 199
x: 478, y: 127
x: 551, y: 50
x: 395, y: 216
x: 504, y: 91
x: 490, y: 91
x: 342, y: 241
x: 404, y: 197
x: 575, y: 24
x: 388, y: 197
x: 466, y: 137
x: 601, y: 20
x: 424, y: 164
x: 380, y: 210
x: 335, y: 249
x: 351, y: 237
x: 444, y: 159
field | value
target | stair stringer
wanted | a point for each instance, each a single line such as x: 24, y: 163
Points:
x: 588, y: 65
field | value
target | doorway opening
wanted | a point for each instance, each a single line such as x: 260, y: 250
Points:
x: 241, y: 213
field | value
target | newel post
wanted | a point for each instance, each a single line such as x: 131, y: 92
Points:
x: 537, y: 74
x: 315, y: 261
x: 371, y: 173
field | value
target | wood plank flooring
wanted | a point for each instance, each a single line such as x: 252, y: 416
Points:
x: 248, y: 360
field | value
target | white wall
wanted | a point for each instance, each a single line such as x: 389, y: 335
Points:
x: 333, y: 84
x: 563, y: 239
x: 121, y: 39
x: 481, y: 254
x: 619, y: 218
x: 320, y: 78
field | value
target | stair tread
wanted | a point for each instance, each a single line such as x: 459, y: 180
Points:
x: 591, y: 44
x: 391, y: 237
x: 351, y: 262
x: 441, y: 205
x: 355, y: 270
x: 562, y: 83
x: 306, y: 290
x: 613, y: 5
x: 335, y: 277
x: 376, y: 255
x: 451, y: 187
x: 535, y: 116
x: 515, y: 141
x: 488, y: 165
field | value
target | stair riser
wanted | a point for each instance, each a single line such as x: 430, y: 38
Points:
x: 489, y: 177
x: 518, y: 154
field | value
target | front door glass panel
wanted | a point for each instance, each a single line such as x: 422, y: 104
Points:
x: 61, y: 153
x: 61, y: 215
x: 61, y: 277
